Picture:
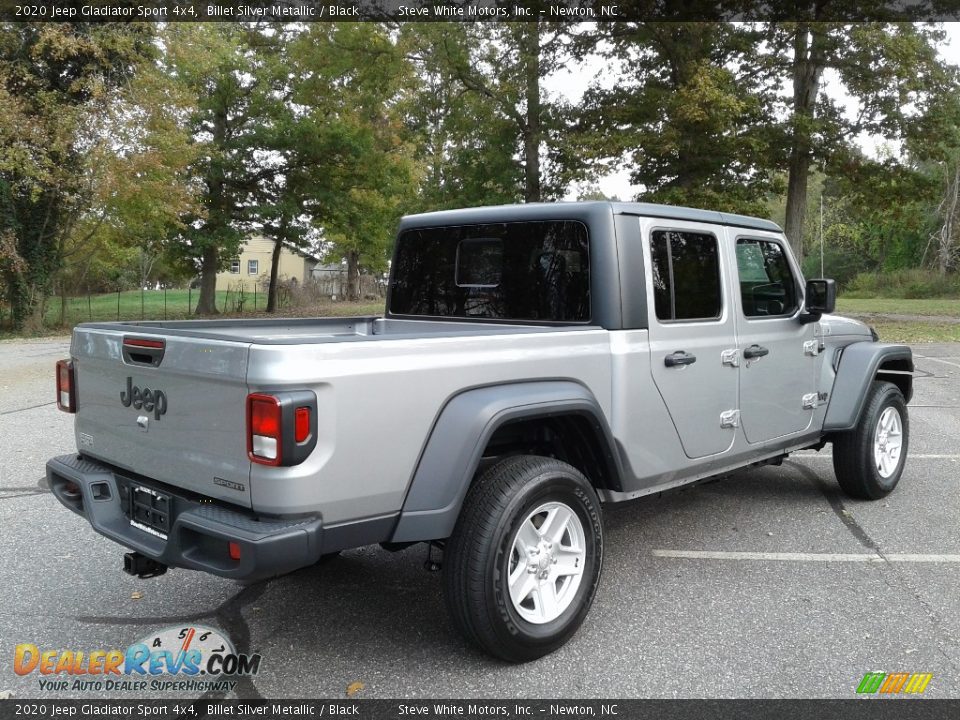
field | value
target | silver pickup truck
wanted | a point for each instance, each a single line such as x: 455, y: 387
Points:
x: 534, y: 363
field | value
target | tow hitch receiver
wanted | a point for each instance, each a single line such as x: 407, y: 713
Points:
x: 143, y: 567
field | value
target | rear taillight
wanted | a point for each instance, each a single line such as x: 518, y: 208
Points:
x: 66, y: 386
x: 281, y: 427
x: 264, y: 426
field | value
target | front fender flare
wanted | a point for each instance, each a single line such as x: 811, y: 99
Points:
x: 858, y: 368
x: 454, y: 449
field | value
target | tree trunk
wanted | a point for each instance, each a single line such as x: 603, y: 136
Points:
x: 274, y: 271
x: 353, y: 275
x: 797, y: 200
x: 532, y: 132
x: 808, y: 63
x: 63, y: 303
x: 218, y: 219
x: 207, y: 304
x: 945, y: 236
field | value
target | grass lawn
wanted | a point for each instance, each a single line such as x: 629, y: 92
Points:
x: 897, y: 320
x: 915, y: 331
x: 939, y: 306
x: 178, y: 304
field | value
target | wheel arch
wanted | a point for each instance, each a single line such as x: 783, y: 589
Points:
x: 860, y: 364
x: 491, y: 419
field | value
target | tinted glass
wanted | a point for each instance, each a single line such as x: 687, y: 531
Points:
x: 686, y: 275
x: 479, y: 262
x: 767, y: 286
x: 507, y: 271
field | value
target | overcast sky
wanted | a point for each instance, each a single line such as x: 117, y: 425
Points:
x: 573, y: 81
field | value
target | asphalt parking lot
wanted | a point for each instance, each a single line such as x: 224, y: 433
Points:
x: 767, y: 583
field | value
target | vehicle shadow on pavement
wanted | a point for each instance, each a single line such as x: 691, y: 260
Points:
x: 371, y: 602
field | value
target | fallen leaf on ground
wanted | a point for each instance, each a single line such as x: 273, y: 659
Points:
x: 136, y: 595
x: 6, y: 694
x: 353, y: 688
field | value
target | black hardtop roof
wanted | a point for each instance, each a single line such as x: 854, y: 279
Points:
x: 580, y: 210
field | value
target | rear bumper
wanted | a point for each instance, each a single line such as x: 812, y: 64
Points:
x: 199, y: 532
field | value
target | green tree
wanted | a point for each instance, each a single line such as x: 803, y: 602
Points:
x: 691, y: 115
x: 141, y: 188
x: 935, y: 148
x: 490, y: 133
x: 891, y: 70
x: 353, y: 82
x: 235, y: 102
x: 57, y: 82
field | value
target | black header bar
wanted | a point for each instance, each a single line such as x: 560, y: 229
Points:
x: 476, y: 10
x: 876, y: 708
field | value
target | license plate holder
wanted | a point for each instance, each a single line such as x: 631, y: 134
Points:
x: 149, y: 510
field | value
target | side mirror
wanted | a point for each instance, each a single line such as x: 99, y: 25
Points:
x: 821, y: 297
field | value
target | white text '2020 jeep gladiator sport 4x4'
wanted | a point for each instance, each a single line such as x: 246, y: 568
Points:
x: 534, y: 363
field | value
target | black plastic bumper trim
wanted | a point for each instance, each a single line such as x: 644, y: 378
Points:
x: 200, y: 532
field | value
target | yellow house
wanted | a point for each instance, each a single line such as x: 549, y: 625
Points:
x: 252, y: 266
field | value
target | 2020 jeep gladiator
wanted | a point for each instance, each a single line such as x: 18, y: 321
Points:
x: 534, y: 363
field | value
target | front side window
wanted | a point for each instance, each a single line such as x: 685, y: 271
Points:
x: 767, y: 285
x: 686, y: 275
x: 253, y: 267
x: 522, y: 271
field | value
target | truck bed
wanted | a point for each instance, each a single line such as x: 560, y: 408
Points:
x: 290, y: 331
x: 377, y: 401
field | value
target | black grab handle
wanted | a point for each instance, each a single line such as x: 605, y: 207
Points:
x: 680, y: 357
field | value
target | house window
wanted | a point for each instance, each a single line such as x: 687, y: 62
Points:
x: 235, y: 266
x: 253, y: 267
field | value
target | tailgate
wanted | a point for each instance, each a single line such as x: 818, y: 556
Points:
x: 168, y: 408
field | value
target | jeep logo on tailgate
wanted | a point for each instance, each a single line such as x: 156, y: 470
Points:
x: 154, y: 401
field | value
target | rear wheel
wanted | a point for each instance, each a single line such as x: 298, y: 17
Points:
x: 523, y: 563
x: 869, y: 460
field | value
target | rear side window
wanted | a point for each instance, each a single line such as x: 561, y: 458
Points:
x: 525, y: 271
x: 767, y: 286
x: 686, y: 275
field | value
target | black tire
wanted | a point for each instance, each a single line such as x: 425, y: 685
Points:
x: 854, y: 461
x: 478, y: 556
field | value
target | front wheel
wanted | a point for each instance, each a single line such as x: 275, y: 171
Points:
x: 523, y: 563
x: 869, y: 460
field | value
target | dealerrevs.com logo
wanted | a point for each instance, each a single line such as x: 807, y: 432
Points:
x: 894, y: 683
x: 176, y: 658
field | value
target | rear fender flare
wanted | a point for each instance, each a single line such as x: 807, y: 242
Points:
x: 460, y: 434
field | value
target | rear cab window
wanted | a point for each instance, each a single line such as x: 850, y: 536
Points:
x: 535, y: 271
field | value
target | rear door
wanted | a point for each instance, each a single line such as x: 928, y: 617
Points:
x: 777, y: 352
x: 691, y: 326
x: 168, y: 408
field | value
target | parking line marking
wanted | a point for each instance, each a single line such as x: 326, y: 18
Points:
x: 945, y: 362
x: 805, y: 557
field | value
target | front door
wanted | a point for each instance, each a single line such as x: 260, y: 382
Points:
x: 777, y: 352
x: 691, y: 325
